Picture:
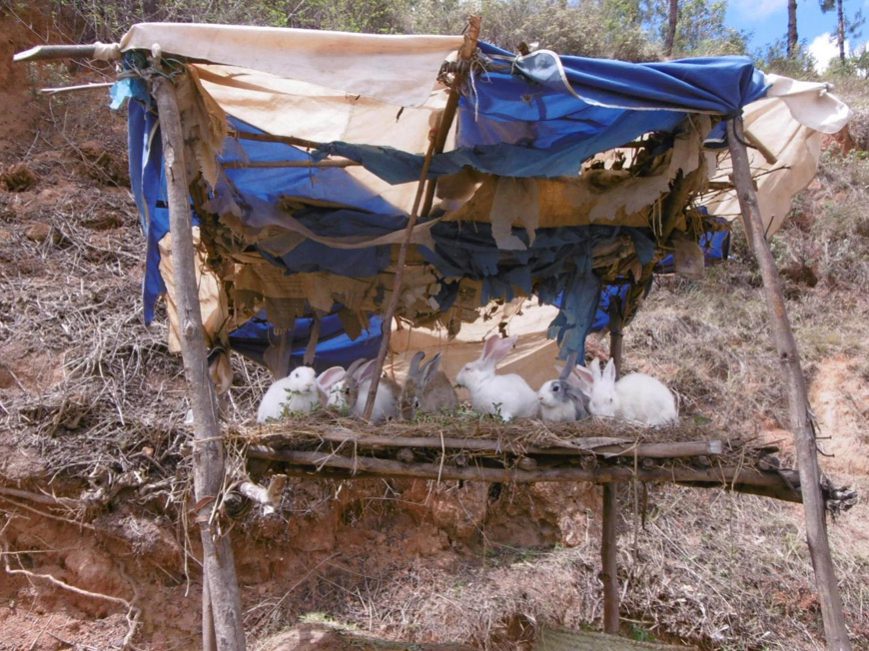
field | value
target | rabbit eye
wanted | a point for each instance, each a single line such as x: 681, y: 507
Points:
x: 556, y: 388
x: 416, y: 402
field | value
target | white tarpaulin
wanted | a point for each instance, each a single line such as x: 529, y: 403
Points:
x: 789, y: 124
x: 399, y: 70
x: 286, y: 107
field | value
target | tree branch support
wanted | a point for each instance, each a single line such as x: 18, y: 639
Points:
x: 220, y: 585
x: 798, y: 403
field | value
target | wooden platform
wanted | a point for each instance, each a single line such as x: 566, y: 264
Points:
x: 482, y: 449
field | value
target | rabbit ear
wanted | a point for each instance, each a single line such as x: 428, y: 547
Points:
x: 582, y: 379
x: 609, y: 373
x: 489, y: 347
x: 353, y: 370
x: 366, y: 371
x: 501, y: 348
x: 430, y: 368
x: 329, y: 377
x: 595, y: 370
x: 572, y: 391
x: 413, y: 371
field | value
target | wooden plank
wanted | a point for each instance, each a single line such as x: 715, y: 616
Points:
x: 220, y: 584
x: 798, y: 402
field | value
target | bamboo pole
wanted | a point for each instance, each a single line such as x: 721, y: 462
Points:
x: 220, y: 585
x: 104, y: 51
x: 465, y: 52
x: 800, y: 420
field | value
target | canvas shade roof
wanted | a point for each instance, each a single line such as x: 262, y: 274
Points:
x: 516, y: 165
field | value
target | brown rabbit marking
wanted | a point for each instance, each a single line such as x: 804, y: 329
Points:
x: 426, y: 389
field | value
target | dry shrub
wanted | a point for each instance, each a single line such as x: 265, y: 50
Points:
x: 18, y: 178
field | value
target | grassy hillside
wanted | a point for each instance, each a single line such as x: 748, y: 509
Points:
x: 94, y: 466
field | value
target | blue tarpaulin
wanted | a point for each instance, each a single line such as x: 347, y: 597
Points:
x: 335, y: 347
x: 541, y: 115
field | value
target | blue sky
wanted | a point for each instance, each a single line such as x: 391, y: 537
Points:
x: 767, y: 20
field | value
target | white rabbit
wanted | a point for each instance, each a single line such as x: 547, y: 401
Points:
x: 506, y: 395
x: 562, y: 400
x: 333, y: 388
x: 296, y: 392
x: 357, y: 386
x: 636, y: 397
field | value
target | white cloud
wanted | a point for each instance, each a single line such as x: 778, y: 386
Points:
x: 823, y: 49
x: 759, y: 9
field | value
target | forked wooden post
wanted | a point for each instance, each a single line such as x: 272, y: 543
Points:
x: 798, y: 402
x: 609, y: 536
x: 220, y: 585
x: 436, y: 144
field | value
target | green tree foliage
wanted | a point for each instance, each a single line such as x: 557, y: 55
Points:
x: 370, y: 16
x: 845, y: 27
x: 775, y: 58
x: 632, y: 30
x: 701, y: 30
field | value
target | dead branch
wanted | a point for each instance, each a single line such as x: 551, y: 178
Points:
x: 133, y: 612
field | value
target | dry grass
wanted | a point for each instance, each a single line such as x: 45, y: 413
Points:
x: 100, y: 402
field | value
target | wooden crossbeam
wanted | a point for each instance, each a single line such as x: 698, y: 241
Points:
x: 604, y: 447
x: 779, y: 484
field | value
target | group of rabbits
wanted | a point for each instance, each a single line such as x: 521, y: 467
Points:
x: 578, y: 393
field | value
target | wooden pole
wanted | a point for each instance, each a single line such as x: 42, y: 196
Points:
x: 609, y: 545
x: 800, y: 420
x: 104, y: 51
x: 778, y: 484
x: 609, y: 552
x: 313, y: 339
x: 209, y: 640
x: 602, y: 447
x: 466, y: 52
x: 243, y: 165
x: 615, y: 326
x: 220, y: 586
